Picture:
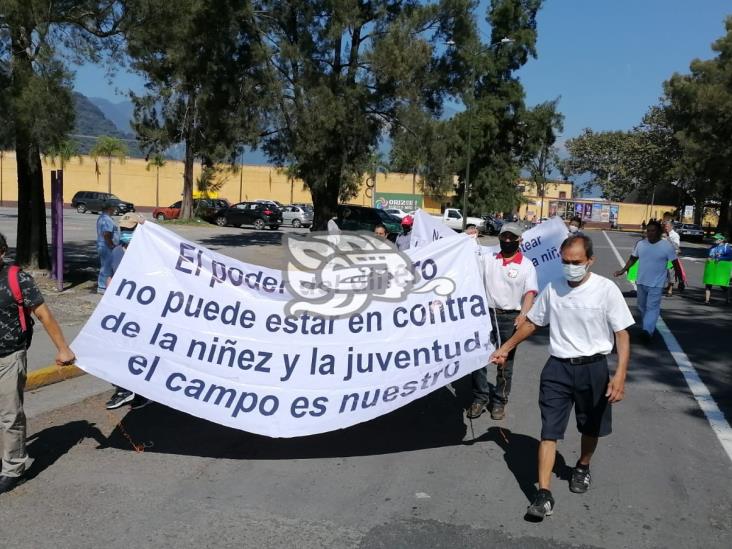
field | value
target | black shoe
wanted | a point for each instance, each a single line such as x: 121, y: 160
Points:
x: 498, y: 411
x: 542, y: 506
x: 580, y: 481
x: 139, y: 402
x: 120, y: 398
x: 476, y: 410
x: 8, y: 483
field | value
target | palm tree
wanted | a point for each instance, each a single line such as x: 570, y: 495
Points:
x: 108, y: 147
x: 63, y: 152
x: 156, y: 161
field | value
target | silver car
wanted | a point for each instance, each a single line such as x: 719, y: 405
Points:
x: 296, y: 215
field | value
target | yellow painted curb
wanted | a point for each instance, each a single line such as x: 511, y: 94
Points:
x: 51, y: 374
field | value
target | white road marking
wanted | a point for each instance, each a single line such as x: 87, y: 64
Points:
x: 714, y: 415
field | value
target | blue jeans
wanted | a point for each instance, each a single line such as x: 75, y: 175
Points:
x: 649, y: 305
x: 105, y: 266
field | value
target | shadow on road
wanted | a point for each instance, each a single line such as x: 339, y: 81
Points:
x: 520, y: 453
x: 247, y: 238
x: 47, y: 446
x: 435, y: 420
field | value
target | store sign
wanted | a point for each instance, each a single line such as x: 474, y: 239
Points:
x: 402, y: 201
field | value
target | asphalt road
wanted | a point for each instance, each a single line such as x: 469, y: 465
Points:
x: 422, y: 476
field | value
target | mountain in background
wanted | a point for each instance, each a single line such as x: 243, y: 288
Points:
x: 120, y: 113
x: 91, y: 122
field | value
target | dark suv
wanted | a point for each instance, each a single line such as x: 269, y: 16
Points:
x: 93, y: 201
x: 361, y: 218
x: 250, y: 213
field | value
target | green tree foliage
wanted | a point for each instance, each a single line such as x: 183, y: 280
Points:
x: 542, y: 124
x: 206, y: 79
x: 698, y: 107
x: 156, y: 161
x: 346, y: 71
x: 493, y: 122
x: 63, y: 152
x: 35, y: 96
x: 606, y: 156
x: 108, y: 147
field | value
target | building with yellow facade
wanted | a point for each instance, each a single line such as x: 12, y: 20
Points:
x: 559, y: 199
x: 134, y: 181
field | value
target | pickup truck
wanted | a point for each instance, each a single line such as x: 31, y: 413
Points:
x: 454, y: 219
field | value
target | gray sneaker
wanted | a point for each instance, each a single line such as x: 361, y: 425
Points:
x: 119, y: 399
x: 580, y: 481
x: 542, y: 506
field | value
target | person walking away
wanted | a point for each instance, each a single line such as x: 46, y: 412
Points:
x: 127, y: 226
x: 673, y: 237
x: 107, y: 239
x: 511, y: 285
x: 587, y: 317
x: 404, y: 240
x: 19, y: 297
x: 653, y: 255
x: 718, y: 268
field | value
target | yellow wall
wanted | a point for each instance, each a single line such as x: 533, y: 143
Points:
x: 133, y: 182
x: 551, y: 190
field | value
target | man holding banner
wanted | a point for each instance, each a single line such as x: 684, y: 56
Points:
x: 511, y: 284
x: 587, y: 316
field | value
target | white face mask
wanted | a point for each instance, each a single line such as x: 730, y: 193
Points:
x: 574, y: 273
x: 573, y: 228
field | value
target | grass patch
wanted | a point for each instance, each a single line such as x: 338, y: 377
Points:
x: 197, y: 221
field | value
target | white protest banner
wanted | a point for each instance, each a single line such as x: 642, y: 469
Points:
x: 426, y: 229
x: 541, y: 245
x: 207, y: 334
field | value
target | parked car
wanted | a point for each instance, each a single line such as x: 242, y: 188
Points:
x: 396, y: 212
x: 362, y: 218
x: 203, y: 208
x: 297, y: 215
x: 250, y: 213
x: 492, y: 224
x: 274, y: 203
x: 689, y: 231
x: 453, y: 218
x: 93, y: 201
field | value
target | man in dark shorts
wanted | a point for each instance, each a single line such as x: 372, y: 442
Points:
x: 587, y: 315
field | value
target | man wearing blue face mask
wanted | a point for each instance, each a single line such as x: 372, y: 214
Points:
x: 587, y: 316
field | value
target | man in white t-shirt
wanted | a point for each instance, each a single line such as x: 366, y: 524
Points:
x: 587, y: 316
x: 510, y: 286
x: 654, y: 255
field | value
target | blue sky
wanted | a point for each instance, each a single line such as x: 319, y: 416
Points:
x: 606, y: 59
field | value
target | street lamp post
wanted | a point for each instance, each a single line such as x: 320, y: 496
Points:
x: 468, y: 110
